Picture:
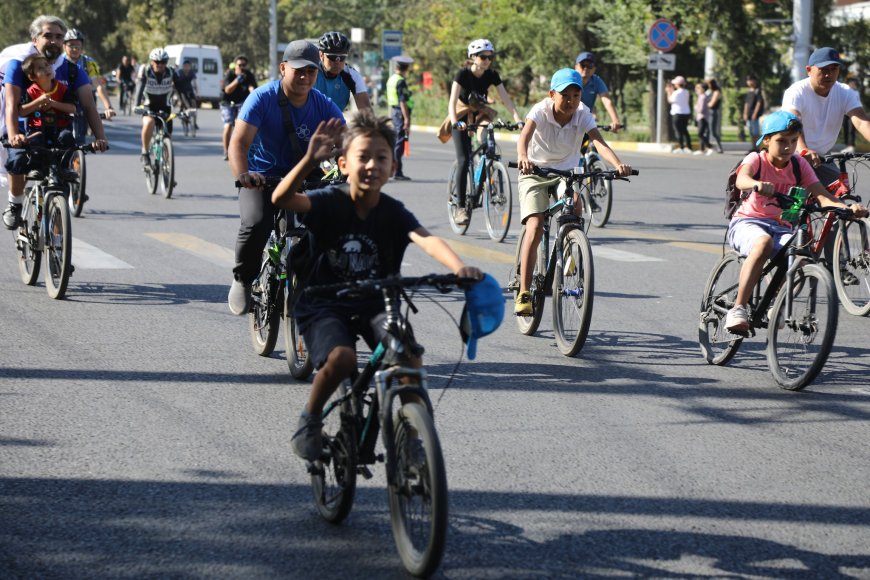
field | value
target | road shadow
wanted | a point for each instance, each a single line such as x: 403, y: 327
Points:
x: 146, y: 294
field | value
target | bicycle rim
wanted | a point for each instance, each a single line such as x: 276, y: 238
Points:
x: 452, y: 205
x: 717, y: 344
x: 529, y: 324
x: 77, y: 190
x: 600, y: 196
x: 26, y: 242
x: 498, y: 201
x: 418, y: 499
x: 298, y: 361
x: 58, y: 247
x: 798, y: 347
x: 167, y: 170
x: 333, y: 480
x: 264, y: 317
x: 852, y: 267
x: 152, y: 171
x: 573, y: 293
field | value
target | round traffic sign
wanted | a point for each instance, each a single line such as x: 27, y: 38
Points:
x: 663, y: 35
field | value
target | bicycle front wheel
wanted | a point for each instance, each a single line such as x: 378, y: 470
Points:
x: 333, y: 478
x: 152, y: 170
x: 26, y: 242
x: 298, y: 361
x: 529, y: 324
x: 852, y: 267
x: 418, y: 498
x: 265, y: 316
x: 167, y: 169
x: 498, y: 201
x: 58, y: 247
x: 453, y: 200
x: 720, y: 294
x: 77, y: 190
x: 798, y: 345
x: 573, y: 293
x: 600, y: 196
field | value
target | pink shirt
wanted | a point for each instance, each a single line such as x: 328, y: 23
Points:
x: 756, y: 205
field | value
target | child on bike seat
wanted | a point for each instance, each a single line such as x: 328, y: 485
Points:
x: 756, y: 229
x: 552, y: 138
x: 48, y: 115
x: 360, y: 233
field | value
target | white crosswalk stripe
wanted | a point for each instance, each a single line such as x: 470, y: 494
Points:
x: 88, y: 257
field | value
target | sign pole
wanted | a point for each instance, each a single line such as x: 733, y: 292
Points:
x: 660, y: 91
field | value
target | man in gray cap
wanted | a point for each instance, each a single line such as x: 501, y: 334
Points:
x: 821, y: 102
x: 271, y: 135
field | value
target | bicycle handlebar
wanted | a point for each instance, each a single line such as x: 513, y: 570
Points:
x: 442, y: 282
x: 846, y: 156
x: 495, y: 125
x: 88, y: 148
x: 785, y: 201
x: 575, y: 173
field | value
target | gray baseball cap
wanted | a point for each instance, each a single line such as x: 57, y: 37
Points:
x: 301, y: 53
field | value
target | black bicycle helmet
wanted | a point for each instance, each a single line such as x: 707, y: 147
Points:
x: 73, y: 34
x: 334, y: 43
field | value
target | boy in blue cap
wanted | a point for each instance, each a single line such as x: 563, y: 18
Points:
x: 552, y: 137
x: 757, y: 231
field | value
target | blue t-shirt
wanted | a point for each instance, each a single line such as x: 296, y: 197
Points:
x: 591, y: 90
x: 15, y: 76
x: 333, y: 88
x: 271, y: 152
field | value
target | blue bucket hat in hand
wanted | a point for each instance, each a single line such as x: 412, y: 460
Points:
x: 778, y: 121
x: 483, y: 312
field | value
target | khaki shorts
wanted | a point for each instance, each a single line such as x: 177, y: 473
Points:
x: 534, y: 193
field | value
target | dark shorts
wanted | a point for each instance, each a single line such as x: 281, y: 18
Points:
x: 332, y: 330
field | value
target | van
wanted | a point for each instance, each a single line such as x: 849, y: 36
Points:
x: 206, y: 60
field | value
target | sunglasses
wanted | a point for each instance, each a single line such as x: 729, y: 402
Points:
x: 242, y: 64
x: 337, y: 57
x: 306, y: 69
x: 486, y: 56
x: 586, y: 64
x: 163, y: 62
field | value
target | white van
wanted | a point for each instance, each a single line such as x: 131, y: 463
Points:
x: 206, y: 60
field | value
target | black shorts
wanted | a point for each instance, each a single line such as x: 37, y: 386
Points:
x: 331, y: 330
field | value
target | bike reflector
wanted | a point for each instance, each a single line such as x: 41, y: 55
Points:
x: 483, y: 312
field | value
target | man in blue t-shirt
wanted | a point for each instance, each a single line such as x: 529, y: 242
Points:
x: 593, y: 87
x: 262, y: 145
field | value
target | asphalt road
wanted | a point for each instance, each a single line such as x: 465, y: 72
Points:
x: 141, y: 436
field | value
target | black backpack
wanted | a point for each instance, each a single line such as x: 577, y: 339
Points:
x: 734, y: 197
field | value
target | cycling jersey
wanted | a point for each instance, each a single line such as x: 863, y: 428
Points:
x: 155, y: 90
x: 340, y: 87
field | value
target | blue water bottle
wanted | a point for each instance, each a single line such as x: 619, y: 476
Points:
x: 478, y: 171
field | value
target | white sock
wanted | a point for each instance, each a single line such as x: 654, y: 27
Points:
x: 16, y: 199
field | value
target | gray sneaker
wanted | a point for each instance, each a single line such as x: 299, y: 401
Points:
x: 239, y: 298
x: 307, y: 442
x: 460, y: 216
x: 12, y: 216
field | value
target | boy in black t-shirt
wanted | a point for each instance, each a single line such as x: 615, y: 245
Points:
x: 363, y: 234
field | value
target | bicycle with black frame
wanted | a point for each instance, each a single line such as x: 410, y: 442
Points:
x: 488, y: 184
x: 126, y: 90
x: 794, y: 300
x: 566, y: 270
x: 159, y: 164
x: 599, y: 194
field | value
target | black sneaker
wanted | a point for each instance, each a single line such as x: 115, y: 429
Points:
x: 12, y: 216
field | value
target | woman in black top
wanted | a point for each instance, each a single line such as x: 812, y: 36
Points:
x: 714, y: 96
x: 468, y: 104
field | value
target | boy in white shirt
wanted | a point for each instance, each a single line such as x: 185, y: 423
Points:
x: 551, y: 138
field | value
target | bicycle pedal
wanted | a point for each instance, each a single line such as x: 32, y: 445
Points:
x: 313, y: 468
x: 379, y: 457
x: 364, y: 471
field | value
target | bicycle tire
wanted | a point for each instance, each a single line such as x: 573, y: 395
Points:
x: 265, y: 316
x: 77, y: 190
x: 333, y: 481
x: 452, y: 205
x: 58, y: 247
x: 418, y: 499
x: 852, y: 267
x: 498, y: 201
x: 26, y: 242
x: 796, y: 352
x: 300, y: 364
x: 573, y: 292
x: 192, y: 121
x: 601, y: 196
x: 152, y: 170
x: 717, y: 344
x: 167, y: 169
x: 529, y: 324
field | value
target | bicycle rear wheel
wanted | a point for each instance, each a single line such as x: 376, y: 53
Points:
x: 600, y: 196
x: 529, y: 324
x: 452, y: 200
x: 264, y: 317
x: 167, y: 168
x: 573, y: 293
x: 852, y: 267
x: 333, y: 479
x: 298, y: 360
x: 418, y: 500
x: 26, y: 240
x: 77, y: 190
x: 498, y: 201
x: 717, y: 344
x: 798, y: 346
x: 58, y: 247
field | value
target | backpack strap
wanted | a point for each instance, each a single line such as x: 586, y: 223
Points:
x: 348, y: 81
x: 289, y: 126
x: 796, y: 167
x: 72, y: 72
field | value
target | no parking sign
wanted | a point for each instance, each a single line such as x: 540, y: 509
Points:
x: 663, y: 35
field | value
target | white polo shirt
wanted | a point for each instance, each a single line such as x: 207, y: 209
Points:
x: 822, y: 117
x: 553, y: 145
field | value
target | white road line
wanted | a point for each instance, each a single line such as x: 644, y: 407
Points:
x: 88, y: 257
x: 208, y: 251
x: 621, y: 255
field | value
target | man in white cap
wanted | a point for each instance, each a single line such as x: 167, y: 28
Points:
x: 271, y: 136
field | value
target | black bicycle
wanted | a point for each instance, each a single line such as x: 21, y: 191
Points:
x: 794, y: 300
x: 489, y: 185
x: 599, y: 194
x: 567, y: 270
x: 45, y: 226
x: 125, y: 96
x: 359, y: 411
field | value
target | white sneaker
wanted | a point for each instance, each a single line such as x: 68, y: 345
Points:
x: 737, y: 320
x: 698, y: 152
x: 708, y: 152
x: 239, y: 298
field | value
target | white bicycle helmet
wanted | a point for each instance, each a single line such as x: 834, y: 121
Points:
x: 480, y: 45
x: 159, y: 55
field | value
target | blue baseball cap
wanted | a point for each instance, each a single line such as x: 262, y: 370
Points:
x: 564, y: 78
x: 779, y: 121
x: 483, y: 312
x: 822, y: 57
x: 585, y: 56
